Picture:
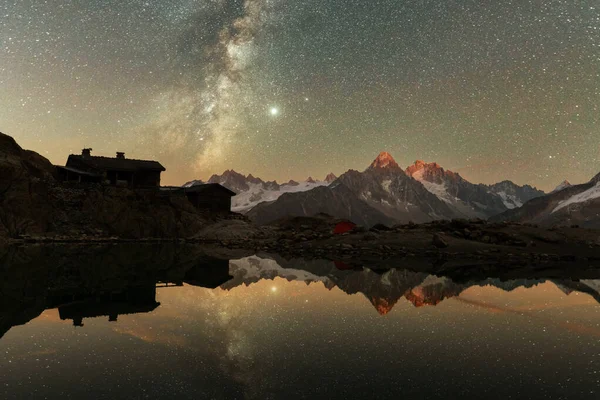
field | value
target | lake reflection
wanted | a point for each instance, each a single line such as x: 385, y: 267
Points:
x: 269, y: 328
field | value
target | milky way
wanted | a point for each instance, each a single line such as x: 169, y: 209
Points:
x: 286, y: 89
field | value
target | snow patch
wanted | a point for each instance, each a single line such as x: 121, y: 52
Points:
x: 247, y: 200
x: 386, y: 185
x: 562, y: 186
x: 510, y: 201
x: 438, y: 189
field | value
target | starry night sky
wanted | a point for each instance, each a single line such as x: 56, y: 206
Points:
x: 492, y: 89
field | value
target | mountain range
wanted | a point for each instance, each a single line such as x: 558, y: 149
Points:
x: 383, y: 289
x: 382, y: 193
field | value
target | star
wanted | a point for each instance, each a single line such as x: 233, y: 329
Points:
x: 274, y: 111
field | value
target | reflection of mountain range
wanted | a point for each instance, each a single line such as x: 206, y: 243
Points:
x: 382, y: 289
x: 108, y: 281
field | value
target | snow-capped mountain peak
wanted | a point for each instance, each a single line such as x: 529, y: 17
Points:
x: 563, y: 185
x: 192, y: 183
x: 384, y: 160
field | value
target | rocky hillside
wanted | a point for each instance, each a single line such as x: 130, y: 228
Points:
x: 337, y: 200
x: 25, y: 179
x: 33, y: 203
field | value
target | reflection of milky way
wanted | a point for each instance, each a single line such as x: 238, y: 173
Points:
x: 221, y: 315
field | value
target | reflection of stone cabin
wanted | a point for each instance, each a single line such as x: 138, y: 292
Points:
x: 118, y: 171
x: 211, y: 196
x: 133, y: 300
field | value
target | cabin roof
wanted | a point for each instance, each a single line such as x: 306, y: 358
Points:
x: 209, y: 187
x: 118, y: 164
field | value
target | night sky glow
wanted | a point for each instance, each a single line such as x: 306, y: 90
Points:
x: 493, y: 89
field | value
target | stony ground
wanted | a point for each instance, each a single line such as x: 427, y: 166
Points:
x: 433, y: 246
x: 436, y: 247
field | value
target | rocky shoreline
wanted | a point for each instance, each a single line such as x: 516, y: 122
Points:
x: 432, y: 246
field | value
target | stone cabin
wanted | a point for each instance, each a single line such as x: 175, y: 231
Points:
x: 119, y: 171
x: 211, y: 196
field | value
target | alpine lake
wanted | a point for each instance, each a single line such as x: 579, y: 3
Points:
x: 133, y: 321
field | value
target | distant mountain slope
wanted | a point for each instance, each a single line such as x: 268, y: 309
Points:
x: 513, y: 195
x: 336, y: 200
x: 574, y: 205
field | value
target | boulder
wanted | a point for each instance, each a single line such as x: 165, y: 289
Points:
x: 438, y: 241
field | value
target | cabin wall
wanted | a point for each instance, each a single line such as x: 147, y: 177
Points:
x: 71, y: 176
x: 146, y: 179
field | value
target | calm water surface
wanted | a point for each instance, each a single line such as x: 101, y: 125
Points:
x: 311, y: 330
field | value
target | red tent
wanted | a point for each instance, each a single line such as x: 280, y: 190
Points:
x: 342, y: 266
x: 343, y: 227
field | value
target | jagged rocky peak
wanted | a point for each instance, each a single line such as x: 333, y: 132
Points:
x: 563, y: 185
x: 310, y: 180
x: 384, y: 160
x: 421, y: 165
x: 383, y: 306
x: 330, y: 177
x: 231, y: 180
x: 292, y: 183
x: 250, y: 178
x: 431, y: 172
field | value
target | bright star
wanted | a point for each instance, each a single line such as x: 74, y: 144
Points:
x: 274, y: 289
x: 274, y: 111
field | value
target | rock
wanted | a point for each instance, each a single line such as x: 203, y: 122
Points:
x: 380, y: 227
x: 439, y: 242
x: 370, y: 236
